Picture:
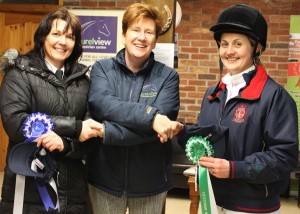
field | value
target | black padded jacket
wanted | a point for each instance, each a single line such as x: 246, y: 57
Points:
x: 27, y: 87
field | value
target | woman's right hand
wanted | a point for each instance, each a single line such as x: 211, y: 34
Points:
x: 90, y: 129
x: 162, y: 125
x: 51, y: 141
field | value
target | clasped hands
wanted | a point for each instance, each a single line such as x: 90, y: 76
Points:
x: 90, y: 129
x: 166, y: 128
x: 52, y: 141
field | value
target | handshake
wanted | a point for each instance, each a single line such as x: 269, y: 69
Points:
x: 90, y: 129
x: 164, y: 127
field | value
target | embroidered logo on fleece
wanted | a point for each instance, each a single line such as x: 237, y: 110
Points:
x: 149, y: 91
x: 240, y: 113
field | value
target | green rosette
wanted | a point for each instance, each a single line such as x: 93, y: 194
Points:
x: 197, y: 147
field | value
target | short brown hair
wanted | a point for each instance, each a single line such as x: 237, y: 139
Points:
x: 140, y: 11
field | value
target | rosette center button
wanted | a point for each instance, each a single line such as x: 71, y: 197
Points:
x: 38, y: 128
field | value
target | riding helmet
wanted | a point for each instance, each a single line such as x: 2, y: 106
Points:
x: 242, y: 19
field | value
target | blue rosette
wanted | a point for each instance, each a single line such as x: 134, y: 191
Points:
x: 25, y: 159
x: 35, y: 125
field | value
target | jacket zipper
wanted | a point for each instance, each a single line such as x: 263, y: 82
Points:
x: 266, y: 186
x: 132, y: 87
x: 126, y: 171
x: 127, y: 150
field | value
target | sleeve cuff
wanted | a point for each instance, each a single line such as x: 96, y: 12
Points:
x: 67, y: 145
x: 78, y: 128
x: 231, y: 169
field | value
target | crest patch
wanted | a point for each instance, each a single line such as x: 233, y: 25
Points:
x: 240, y: 113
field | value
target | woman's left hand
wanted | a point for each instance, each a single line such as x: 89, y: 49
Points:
x: 51, y: 141
x: 217, y: 167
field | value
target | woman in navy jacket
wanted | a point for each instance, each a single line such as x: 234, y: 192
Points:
x: 259, y: 149
x: 134, y: 96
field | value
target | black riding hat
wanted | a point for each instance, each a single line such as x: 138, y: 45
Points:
x: 242, y: 19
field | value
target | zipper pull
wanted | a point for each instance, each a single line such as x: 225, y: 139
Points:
x: 57, y: 174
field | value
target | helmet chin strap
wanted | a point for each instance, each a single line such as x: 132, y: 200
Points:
x: 255, y: 54
x: 221, y: 67
x: 220, y: 61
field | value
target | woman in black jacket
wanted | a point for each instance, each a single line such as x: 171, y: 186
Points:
x: 30, y: 85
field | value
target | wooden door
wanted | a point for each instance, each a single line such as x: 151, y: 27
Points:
x: 3, y: 138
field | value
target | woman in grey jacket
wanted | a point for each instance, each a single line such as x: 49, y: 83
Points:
x: 30, y: 85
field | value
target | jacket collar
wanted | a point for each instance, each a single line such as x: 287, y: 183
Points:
x: 147, y: 66
x: 24, y: 64
x: 255, y: 81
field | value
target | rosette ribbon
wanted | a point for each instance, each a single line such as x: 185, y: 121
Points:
x: 196, y: 148
x: 34, y: 126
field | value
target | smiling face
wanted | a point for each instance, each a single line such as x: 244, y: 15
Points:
x: 236, y: 52
x: 59, y: 43
x: 140, y: 40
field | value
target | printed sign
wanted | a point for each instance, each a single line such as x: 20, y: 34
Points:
x: 101, y: 33
x: 102, y: 37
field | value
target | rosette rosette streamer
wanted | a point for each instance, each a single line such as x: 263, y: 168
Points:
x: 25, y: 159
x: 197, y: 147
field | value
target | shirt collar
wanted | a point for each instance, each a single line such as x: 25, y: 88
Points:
x: 227, y: 79
x: 52, y: 68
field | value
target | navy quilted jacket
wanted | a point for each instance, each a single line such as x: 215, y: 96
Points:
x: 261, y: 142
x: 131, y: 160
